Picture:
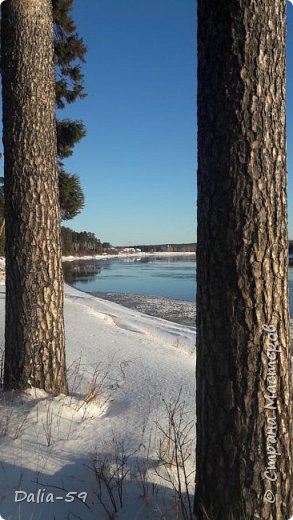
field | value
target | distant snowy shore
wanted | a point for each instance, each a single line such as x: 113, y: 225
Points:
x: 127, y: 255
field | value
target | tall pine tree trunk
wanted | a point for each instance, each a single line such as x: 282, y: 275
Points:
x: 244, y: 394
x: 34, y: 328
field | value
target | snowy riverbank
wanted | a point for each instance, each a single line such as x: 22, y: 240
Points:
x: 124, y: 369
x: 122, y: 365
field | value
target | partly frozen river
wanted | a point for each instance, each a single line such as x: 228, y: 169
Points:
x: 161, y: 277
x: 169, y: 277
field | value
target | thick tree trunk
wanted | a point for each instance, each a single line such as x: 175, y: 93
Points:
x: 34, y: 332
x: 244, y: 395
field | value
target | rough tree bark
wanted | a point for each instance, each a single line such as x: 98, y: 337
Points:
x: 34, y: 327
x: 244, y: 394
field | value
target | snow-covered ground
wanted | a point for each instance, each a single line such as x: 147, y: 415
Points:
x: 125, y: 369
x: 108, y: 442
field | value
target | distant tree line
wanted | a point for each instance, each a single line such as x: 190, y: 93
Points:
x: 75, y: 243
x: 82, y: 243
x: 163, y: 248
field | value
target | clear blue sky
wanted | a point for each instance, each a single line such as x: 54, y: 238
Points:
x: 137, y: 164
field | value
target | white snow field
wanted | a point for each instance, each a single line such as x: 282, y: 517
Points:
x: 104, y: 442
x: 107, y: 450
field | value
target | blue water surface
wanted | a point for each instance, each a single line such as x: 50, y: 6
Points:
x: 171, y: 277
